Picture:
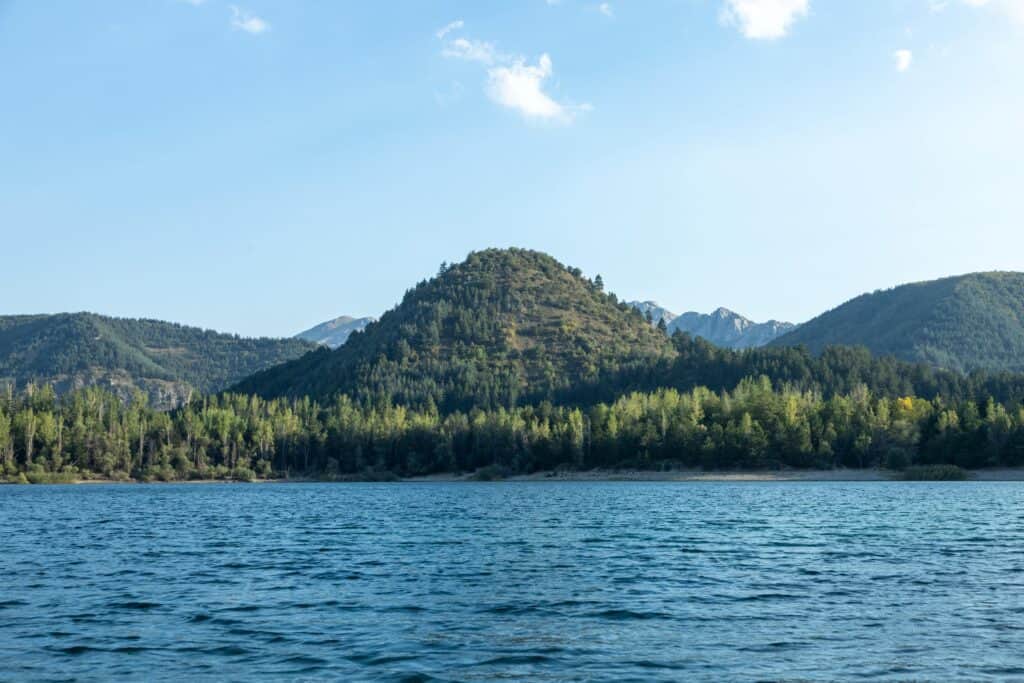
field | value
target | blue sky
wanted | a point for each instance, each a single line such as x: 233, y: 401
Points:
x: 259, y: 167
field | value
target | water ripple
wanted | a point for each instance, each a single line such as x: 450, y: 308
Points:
x: 547, y: 582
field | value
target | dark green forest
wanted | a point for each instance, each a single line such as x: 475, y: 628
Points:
x: 505, y: 327
x: 164, y: 360
x: 509, y: 362
x: 92, y: 433
x: 964, y: 323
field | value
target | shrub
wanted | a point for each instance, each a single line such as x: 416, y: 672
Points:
x: 242, y: 474
x: 491, y: 473
x: 935, y: 473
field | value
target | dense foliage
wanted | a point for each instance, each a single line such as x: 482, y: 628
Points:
x: 92, y: 433
x: 961, y: 323
x: 508, y: 328
x: 164, y: 360
x: 503, y: 328
x: 508, y: 362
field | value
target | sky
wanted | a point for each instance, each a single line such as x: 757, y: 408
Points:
x: 262, y: 166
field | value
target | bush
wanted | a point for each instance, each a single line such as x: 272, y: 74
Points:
x: 263, y: 469
x: 935, y: 473
x: 491, y: 473
x: 896, y: 459
x: 43, y: 477
x: 243, y: 474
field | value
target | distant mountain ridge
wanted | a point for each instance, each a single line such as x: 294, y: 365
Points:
x: 656, y: 312
x: 336, y: 332
x: 165, y: 361
x: 723, y: 327
x: 964, y: 323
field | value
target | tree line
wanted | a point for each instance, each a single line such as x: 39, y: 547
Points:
x: 92, y: 433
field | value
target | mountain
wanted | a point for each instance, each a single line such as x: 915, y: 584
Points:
x: 505, y: 327
x: 164, y: 360
x: 722, y: 328
x: 656, y: 311
x: 962, y: 323
x: 728, y: 329
x: 334, y: 333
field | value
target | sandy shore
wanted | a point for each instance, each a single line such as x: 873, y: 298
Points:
x: 1005, y: 474
x: 681, y: 475
x: 996, y: 474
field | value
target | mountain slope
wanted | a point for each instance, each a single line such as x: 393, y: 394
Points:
x: 164, y: 360
x: 728, y: 329
x: 963, y: 323
x: 501, y: 328
x: 334, y: 333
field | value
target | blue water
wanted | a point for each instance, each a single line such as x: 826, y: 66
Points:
x: 517, y: 581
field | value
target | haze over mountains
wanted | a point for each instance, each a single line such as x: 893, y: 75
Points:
x: 723, y: 327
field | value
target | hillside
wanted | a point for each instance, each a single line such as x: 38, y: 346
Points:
x: 728, y: 329
x: 502, y: 328
x: 962, y: 323
x: 336, y: 332
x: 164, y: 360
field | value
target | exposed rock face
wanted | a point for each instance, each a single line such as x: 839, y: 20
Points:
x: 722, y: 328
x: 334, y: 333
x: 656, y: 311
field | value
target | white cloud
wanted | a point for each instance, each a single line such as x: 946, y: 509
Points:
x: 250, y: 23
x: 453, y: 26
x: 520, y: 86
x: 763, y: 19
x: 470, y: 50
x: 511, y: 81
x: 903, y: 59
x: 605, y: 9
x: 194, y: 3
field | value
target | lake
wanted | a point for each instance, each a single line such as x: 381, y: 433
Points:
x: 514, y: 581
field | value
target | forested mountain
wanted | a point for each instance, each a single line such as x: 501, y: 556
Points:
x: 507, y: 362
x: 728, y: 329
x: 504, y: 327
x: 842, y: 409
x: 164, y: 360
x: 334, y: 333
x: 963, y: 323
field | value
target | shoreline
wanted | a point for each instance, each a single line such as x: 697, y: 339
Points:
x: 594, y: 476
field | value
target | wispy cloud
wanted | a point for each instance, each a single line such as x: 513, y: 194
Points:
x: 512, y: 81
x: 470, y: 50
x: 194, y: 3
x: 445, y: 30
x: 763, y: 19
x: 1014, y: 9
x: 605, y: 8
x: 250, y: 23
x: 903, y: 59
